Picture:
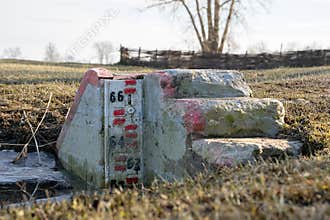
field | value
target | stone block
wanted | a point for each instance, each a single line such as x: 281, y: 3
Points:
x: 233, y: 151
x: 201, y: 83
x: 176, y: 123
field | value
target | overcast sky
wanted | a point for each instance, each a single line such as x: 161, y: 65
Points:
x: 31, y: 24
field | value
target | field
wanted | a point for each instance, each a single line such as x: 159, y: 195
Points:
x: 290, y: 188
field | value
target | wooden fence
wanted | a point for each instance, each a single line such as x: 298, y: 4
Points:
x: 191, y: 59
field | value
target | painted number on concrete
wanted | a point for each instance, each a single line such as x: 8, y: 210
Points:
x: 123, y: 139
x: 116, y: 96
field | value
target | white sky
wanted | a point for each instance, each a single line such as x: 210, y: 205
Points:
x: 31, y: 24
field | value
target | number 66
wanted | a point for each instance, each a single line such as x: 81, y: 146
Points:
x: 120, y: 96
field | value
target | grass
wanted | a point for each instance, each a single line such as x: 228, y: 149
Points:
x: 307, y: 101
x: 287, y: 189
x: 292, y: 189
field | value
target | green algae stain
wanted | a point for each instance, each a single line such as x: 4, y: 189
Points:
x: 230, y: 119
x: 84, y: 171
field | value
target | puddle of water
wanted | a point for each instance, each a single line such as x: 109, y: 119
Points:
x: 28, y: 180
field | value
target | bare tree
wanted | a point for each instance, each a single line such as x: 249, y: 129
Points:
x: 103, y: 51
x: 51, y: 53
x: 210, y: 19
x: 12, y: 52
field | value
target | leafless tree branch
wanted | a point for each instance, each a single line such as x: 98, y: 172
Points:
x: 200, y: 19
x: 225, y: 32
x: 193, y: 22
x: 209, y: 19
x: 162, y: 3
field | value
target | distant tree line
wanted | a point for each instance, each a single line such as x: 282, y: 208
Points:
x: 104, y: 50
x: 12, y: 53
x: 103, y: 53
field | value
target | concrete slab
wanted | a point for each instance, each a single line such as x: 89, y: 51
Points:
x: 171, y: 125
x: 179, y: 83
x: 81, y: 139
x: 233, y: 151
x: 234, y: 117
x: 100, y: 140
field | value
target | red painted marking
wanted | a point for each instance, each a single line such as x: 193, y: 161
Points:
x: 103, y: 73
x: 132, y: 180
x: 119, y: 121
x: 132, y: 145
x: 130, y: 127
x: 194, y: 119
x: 166, y: 84
x: 131, y: 135
x: 119, y: 112
x: 120, y: 168
x: 130, y: 82
x: 121, y: 159
x: 130, y: 91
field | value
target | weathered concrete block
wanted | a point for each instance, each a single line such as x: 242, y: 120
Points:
x: 201, y: 83
x: 233, y: 151
x: 235, y: 117
x: 171, y: 123
x: 80, y: 144
x: 101, y: 140
x: 175, y: 123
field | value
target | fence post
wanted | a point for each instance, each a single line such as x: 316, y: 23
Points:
x: 180, y: 61
x: 124, y: 55
x: 121, y: 54
x: 168, y: 60
x: 139, y: 56
x: 156, y: 55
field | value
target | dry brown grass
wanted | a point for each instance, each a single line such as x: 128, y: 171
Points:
x: 307, y: 101
x: 288, y: 189
x: 291, y: 189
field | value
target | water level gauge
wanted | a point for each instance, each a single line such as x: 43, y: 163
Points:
x: 123, y: 131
